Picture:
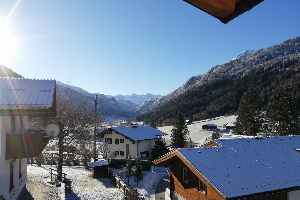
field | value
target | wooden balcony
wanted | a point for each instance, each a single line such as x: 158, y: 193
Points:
x: 25, y: 145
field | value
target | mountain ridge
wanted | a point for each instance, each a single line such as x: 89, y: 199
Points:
x: 281, y: 56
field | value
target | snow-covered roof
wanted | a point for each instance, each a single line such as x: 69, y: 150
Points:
x: 230, y: 124
x: 209, y: 125
x: 26, y: 93
x: 241, y: 167
x: 139, y: 133
x: 98, y: 163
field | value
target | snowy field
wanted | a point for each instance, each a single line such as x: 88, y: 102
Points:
x: 150, y: 180
x: 198, y: 135
x: 86, y: 188
x: 83, y: 186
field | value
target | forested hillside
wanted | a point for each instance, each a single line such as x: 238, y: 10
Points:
x: 219, y: 91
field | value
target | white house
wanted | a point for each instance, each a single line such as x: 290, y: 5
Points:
x: 20, y: 100
x: 121, y: 142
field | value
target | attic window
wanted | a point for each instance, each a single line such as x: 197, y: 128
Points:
x: 202, y: 187
x: 185, y: 176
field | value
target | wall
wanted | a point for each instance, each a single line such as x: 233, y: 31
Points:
x: 19, y: 126
x: 294, y: 195
x: 121, y: 146
x: 145, y: 145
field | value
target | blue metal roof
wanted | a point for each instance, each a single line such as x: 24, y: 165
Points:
x: 26, y: 93
x: 243, y: 167
x: 139, y: 132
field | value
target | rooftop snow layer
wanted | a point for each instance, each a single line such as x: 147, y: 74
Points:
x: 139, y: 132
x: 26, y: 93
x: 247, y: 166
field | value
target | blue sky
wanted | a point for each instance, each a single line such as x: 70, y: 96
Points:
x: 125, y: 46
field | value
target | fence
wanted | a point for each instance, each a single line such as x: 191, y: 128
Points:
x: 55, y: 175
x: 129, y: 192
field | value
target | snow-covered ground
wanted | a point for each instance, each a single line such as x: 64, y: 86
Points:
x: 85, y: 187
x: 147, y: 186
x: 196, y: 133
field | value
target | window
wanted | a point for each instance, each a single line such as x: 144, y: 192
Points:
x: 116, y: 141
x: 121, y: 153
x: 185, y: 176
x: 202, y: 187
x: 116, y: 153
x: 11, y: 176
x: 145, y: 154
x: 121, y: 140
x: 20, y: 168
x: 108, y: 140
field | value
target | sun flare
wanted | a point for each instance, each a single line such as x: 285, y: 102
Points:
x: 7, y: 43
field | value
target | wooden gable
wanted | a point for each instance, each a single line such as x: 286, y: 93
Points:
x: 187, y: 189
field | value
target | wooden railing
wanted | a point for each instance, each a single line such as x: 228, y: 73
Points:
x: 127, y: 189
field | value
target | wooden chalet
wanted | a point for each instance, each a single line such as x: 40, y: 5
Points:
x: 256, y: 169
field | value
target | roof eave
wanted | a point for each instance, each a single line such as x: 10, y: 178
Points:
x: 241, y: 7
x: 165, y: 160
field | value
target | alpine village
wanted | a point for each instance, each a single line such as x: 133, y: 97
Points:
x: 229, y: 133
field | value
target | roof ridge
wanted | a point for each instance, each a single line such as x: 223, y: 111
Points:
x: 14, y: 78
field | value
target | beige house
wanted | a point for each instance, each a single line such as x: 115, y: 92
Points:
x: 121, y: 142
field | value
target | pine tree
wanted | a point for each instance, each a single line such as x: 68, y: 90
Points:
x: 280, y: 111
x: 159, y: 149
x: 247, y: 122
x: 216, y: 134
x: 179, y: 133
x: 128, y: 168
x: 138, y: 171
x: 153, y: 123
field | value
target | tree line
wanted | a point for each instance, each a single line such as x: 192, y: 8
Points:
x: 279, y: 117
x: 222, y: 96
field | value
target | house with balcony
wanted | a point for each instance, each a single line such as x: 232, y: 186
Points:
x: 21, y: 100
x: 122, y: 142
x: 245, y: 168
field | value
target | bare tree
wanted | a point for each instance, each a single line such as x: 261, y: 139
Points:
x: 72, y: 118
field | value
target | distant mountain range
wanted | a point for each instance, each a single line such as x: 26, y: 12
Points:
x: 219, y: 90
x: 214, y: 93
x: 118, y: 107
x: 113, y: 107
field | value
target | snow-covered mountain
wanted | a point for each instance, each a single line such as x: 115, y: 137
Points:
x: 119, y: 106
x: 245, y: 63
x: 244, y: 54
x: 137, y: 99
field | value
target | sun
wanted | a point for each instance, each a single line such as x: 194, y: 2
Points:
x: 7, y: 43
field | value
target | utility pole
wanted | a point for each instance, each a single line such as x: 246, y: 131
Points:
x: 95, y: 130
